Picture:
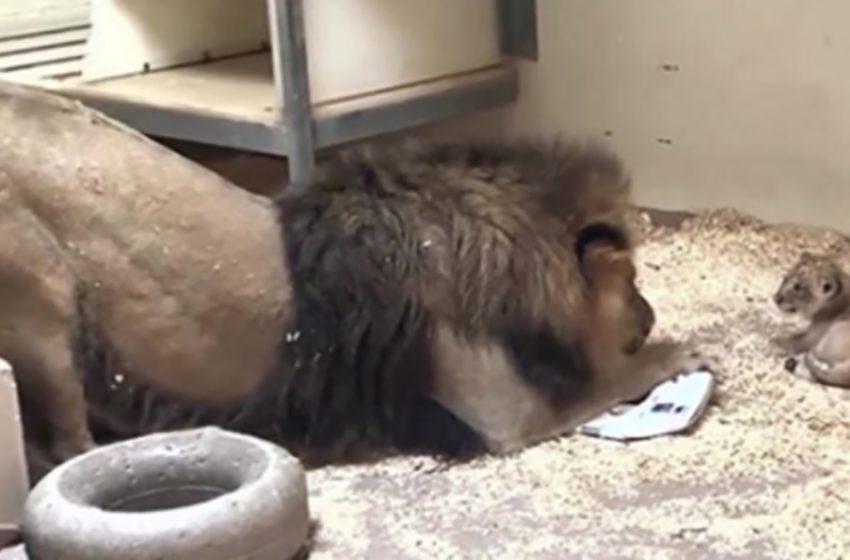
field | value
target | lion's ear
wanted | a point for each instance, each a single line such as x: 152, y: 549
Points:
x: 602, y: 234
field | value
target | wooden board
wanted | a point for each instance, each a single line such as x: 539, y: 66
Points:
x: 132, y: 36
x: 242, y: 88
x: 354, y: 46
x: 239, y: 86
x: 360, y: 46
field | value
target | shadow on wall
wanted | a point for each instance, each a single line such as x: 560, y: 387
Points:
x: 260, y: 174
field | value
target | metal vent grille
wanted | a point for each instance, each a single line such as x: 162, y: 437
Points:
x: 48, y: 43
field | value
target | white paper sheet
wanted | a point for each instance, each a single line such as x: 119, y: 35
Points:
x: 672, y: 407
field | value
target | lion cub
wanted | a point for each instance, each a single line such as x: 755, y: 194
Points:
x: 819, y: 290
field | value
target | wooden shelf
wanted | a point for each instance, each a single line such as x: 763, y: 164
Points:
x: 239, y: 87
x: 357, y: 82
x: 232, y: 103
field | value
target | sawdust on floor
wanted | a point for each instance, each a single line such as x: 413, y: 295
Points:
x: 765, y: 475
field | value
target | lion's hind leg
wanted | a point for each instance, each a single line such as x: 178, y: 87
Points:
x: 37, y: 320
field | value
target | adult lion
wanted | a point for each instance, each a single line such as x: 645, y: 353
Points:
x: 443, y: 298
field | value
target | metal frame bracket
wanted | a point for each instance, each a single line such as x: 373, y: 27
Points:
x: 518, y: 28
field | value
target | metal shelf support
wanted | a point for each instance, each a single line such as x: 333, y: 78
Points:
x: 518, y: 28
x: 517, y: 37
x: 301, y: 128
x: 289, y: 55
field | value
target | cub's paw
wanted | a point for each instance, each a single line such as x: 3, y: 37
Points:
x: 787, y: 345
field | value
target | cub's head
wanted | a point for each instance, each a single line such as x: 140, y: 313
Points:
x: 607, y: 263
x: 814, y: 286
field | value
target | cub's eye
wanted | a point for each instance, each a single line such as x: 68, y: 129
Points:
x: 828, y: 287
x: 796, y: 287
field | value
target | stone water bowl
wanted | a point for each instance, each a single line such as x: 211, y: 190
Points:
x: 202, y: 494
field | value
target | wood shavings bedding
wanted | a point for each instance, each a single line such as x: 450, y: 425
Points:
x: 765, y: 475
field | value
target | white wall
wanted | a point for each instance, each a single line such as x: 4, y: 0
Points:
x: 754, y: 99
